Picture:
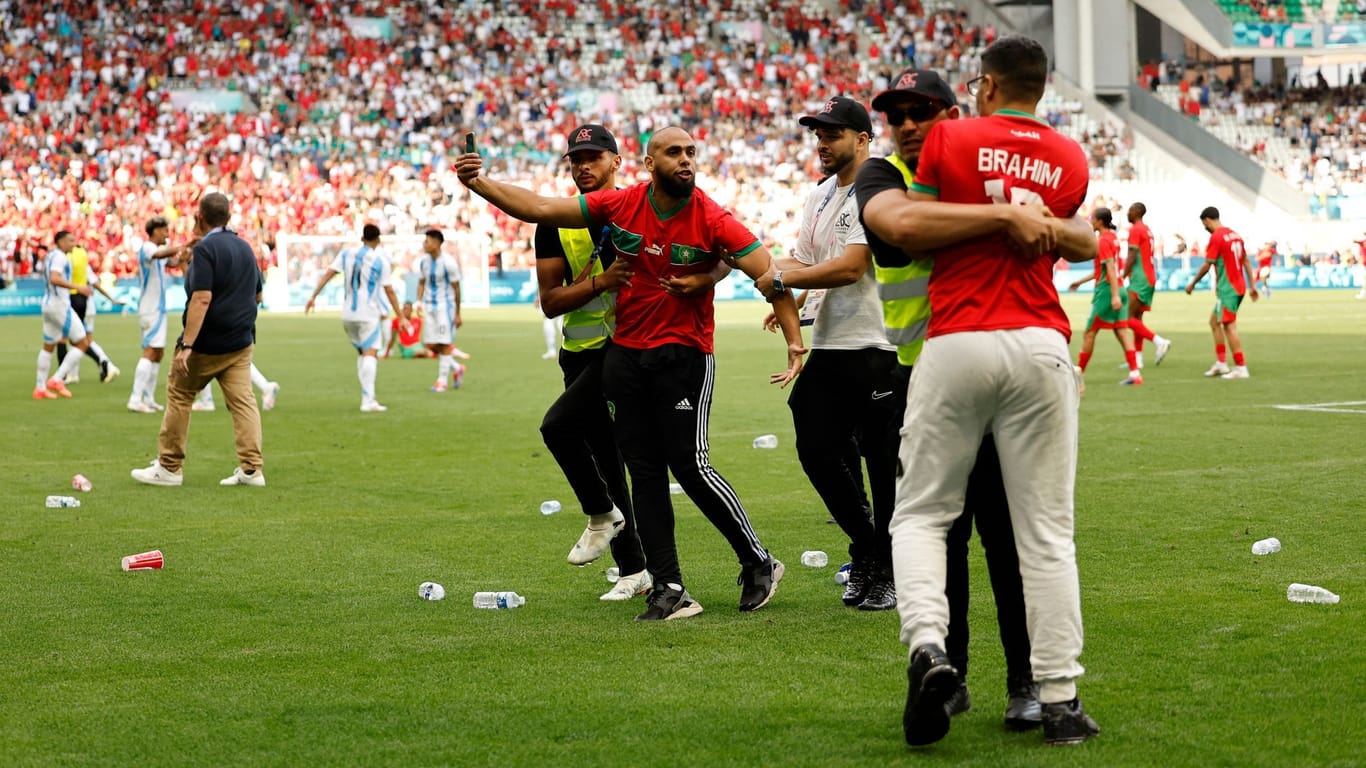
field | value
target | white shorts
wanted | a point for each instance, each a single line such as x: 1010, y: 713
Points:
x: 364, y: 334
x: 58, y: 328
x: 153, y: 330
x: 437, y: 329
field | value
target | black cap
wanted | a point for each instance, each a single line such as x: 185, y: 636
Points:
x: 841, y: 112
x: 925, y: 83
x: 591, y: 136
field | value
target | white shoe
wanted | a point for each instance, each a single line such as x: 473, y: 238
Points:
x: 1163, y: 347
x: 137, y: 406
x: 72, y: 378
x: 158, y: 475
x: 550, y: 354
x: 109, y: 372
x: 596, y: 538
x: 628, y: 587
x: 153, y: 404
x: 203, y: 405
x: 1238, y: 372
x: 372, y: 406
x: 269, y: 394
x: 1218, y: 369
x: 238, y: 477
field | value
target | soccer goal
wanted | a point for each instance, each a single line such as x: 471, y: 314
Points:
x: 301, y: 260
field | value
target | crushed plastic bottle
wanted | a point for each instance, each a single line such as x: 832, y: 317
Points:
x: 497, y: 600
x: 766, y: 441
x: 1266, y: 546
x: 430, y: 590
x: 1307, y: 593
x: 56, y: 502
x: 550, y: 507
x: 815, y: 559
x: 842, y: 575
x: 675, y: 488
x: 613, y: 574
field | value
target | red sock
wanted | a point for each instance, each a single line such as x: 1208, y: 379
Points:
x: 1220, y: 352
x: 1083, y: 359
x: 1141, y: 332
x: 1238, y: 359
x: 1132, y: 358
x: 1138, y: 343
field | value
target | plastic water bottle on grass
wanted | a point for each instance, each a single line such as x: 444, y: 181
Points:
x: 1307, y: 593
x: 1266, y: 546
x: 498, y: 600
x: 550, y: 507
x: 766, y: 441
x: 613, y: 574
x: 815, y: 559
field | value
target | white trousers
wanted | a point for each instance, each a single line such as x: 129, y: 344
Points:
x: 1019, y: 386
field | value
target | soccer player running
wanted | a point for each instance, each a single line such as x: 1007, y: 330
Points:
x: 1141, y: 273
x: 438, y: 291
x: 1233, y: 280
x: 578, y: 278
x: 843, y: 402
x: 659, y: 372
x: 1109, y: 304
x: 60, y: 321
x: 366, y: 270
x: 152, y: 256
x: 918, y: 100
x: 994, y: 199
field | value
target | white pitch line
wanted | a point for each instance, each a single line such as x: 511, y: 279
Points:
x: 1327, y: 407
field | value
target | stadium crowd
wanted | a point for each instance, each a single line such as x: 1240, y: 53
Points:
x: 344, y: 123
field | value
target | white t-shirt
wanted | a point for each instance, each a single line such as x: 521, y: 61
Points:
x: 366, y: 272
x: 439, y: 273
x: 152, y: 278
x: 849, y: 317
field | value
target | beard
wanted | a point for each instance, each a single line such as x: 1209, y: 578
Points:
x: 674, y: 187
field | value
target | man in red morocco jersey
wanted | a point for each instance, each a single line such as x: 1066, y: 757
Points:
x: 1142, y: 276
x: 1109, y: 306
x: 995, y: 359
x: 1233, y: 276
x: 659, y: 373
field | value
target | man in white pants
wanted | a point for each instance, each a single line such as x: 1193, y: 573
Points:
x: 438, y: 291
x: 366, y: 270
x: 995, y: 360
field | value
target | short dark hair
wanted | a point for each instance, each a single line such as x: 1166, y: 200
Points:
x: 57, y: 238
x: 155, y: 223
x: 369, y: 232
x: 1140, y: 209
x: 1210, y: 213
x: 436, y: 235
x: 1019, y: 65
x: 214, y: 209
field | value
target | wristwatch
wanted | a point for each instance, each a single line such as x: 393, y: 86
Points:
x: 778, y: 281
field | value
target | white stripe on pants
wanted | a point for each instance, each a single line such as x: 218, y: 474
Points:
x: 1018, y: 385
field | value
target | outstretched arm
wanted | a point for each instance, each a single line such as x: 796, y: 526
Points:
x: 518, y: 202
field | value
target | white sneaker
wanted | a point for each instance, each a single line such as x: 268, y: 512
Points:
x: 158, y: 475
x: 597, y: 537
x: 1218, y: 369
x: 1238, y: 372
x: 72, y: 378
x: 203, y: 405
x: 1163, y: 347
x: 550, y: 354
x: 269, y: 394
x: 238, y: 477
x: 154, y: 405
x: 137, y: 406
x: 628, y: 587
x: 372, y: 406
x: 109, y: 372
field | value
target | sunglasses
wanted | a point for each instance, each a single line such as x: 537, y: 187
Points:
x: 918, y: 112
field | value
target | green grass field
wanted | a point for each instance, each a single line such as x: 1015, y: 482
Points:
x: 286, y: 629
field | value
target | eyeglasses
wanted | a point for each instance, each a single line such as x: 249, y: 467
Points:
x: 975, y: 84
x: 919, y: 112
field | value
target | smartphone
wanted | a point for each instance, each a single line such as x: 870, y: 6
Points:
x: 469, y: 143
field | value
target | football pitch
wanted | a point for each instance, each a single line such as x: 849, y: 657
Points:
x: 286, y: 630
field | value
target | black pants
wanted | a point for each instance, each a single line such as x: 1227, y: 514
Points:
x: 578, y: 431
x: 79, y: 304
x: 661, y: 400
x: 986, y: 503
x: 841, y: 405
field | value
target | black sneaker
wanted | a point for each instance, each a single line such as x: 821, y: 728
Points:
x: 932, y: 681
x: 668, y: 602
x: 959, y: 702
x: 1066, y: 723
x: 1023, y: 710
x: 881, y: 595
x: 758, y: 583
x: 859, y: 577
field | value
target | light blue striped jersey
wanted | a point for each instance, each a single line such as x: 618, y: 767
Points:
x: 366, y: 272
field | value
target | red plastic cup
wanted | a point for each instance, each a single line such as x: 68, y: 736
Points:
x: 146, y: 561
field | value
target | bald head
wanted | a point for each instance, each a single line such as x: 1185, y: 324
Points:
x: 666, y: 138
x: 670, y: 159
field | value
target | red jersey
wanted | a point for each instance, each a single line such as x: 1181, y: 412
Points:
x: 1141, y: 240
x: 1225, y: 251
x: 413, y: 336
x: 1107, y: 249
x: 1008, y: 157
x: 686, y: 240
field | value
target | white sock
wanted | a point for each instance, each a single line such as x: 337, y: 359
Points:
x: 258, y: 379
x: 140, y: 377
x: 1138, y: 359
x: 444, y: 364
x: 1160, y: 339
x: 44, y: 368
x: 551, y: 331
x: 153, y: 373
x: 69, y: 364
x: 368, y: 367
x: 99, y: 352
